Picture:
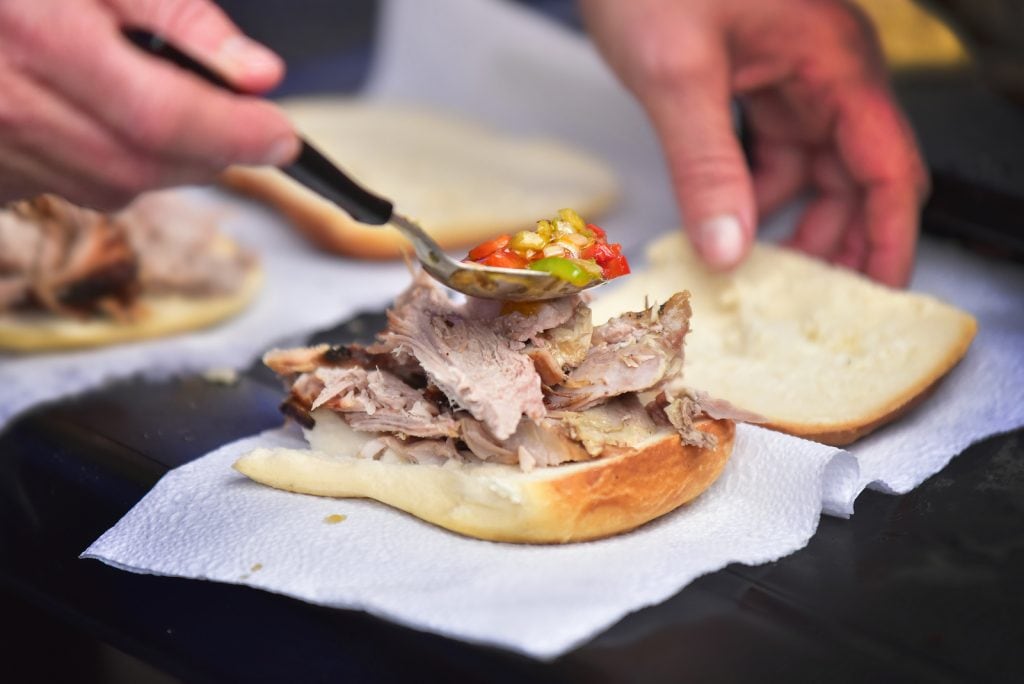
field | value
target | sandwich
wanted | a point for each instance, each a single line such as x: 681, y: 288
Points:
x: 815, y: 350
x: 72, y: 278
x: 504, y: 421
x: 462, y: 181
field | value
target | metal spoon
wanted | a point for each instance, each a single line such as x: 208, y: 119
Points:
x: 318, y: 173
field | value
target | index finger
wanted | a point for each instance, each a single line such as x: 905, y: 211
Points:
x: 159, y: 108
x: 205, y: 32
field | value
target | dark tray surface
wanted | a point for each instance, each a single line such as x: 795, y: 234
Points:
x: 921, y: 586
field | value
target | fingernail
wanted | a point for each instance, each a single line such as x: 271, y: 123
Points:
x: 242, y: 53
x: 721, y: 240
x: 282, y: 151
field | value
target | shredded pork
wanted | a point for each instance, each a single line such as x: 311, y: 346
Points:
x: 70, y: 260
x: 532, y: 386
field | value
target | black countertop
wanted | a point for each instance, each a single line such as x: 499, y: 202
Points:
x: 921, y: 586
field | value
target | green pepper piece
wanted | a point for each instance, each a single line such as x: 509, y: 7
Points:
x: 565, y: 269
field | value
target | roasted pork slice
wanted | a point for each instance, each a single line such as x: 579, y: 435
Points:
x: 421, y: 451
x: 180, y: 250
x: 680, y: 412
x: 523, y: 321
x: 370, y: 401
x: 618, y: 424
x: 532, y: 445
x: 20, y: 241
x: 557, y: 350
x: 634, y: 352
x: 291, y: 362
x: 14, y: 289
x: 466, y: 358
x: 68, y: 259
x: 72, y: 260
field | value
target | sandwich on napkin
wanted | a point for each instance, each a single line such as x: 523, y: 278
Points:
x: 71, y: 277
x: 507, y: 422
x: 816, y: 350
x: 462, y: 181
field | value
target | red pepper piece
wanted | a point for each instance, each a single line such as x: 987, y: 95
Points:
x: 597, y: 231
x: 488, y: 248
x: 504, y: 258
x: 616, y: 266
x: 600, y: 252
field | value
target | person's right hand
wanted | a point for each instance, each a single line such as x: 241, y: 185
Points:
x: 86, y: 115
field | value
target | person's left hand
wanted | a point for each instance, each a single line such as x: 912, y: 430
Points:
x: 813, y: 83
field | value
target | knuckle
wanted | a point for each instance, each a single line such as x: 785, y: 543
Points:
x: 710, y: 169
x: 132, y: 176
x: 259, y: 127
x: 174, y: 16
x: 671, y: 65
x: 153, y: 123
x: 852, y: 29
x: 21, y: 32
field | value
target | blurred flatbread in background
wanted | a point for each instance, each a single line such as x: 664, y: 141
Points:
x: 463, y: 182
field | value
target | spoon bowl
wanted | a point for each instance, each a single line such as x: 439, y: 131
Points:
x: 488, y: 282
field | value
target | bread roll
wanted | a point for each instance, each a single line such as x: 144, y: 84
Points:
x: 158, y: 316
x: 462, y: 182
x: 556, y: 504
x: 819, y: 351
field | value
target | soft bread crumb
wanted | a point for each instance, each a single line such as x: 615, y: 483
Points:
x: 820, y: 351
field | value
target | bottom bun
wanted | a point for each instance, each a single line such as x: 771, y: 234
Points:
x: 159, y: 316
x: 556, y: 504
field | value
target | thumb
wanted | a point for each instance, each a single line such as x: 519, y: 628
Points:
x: 201, y: 29
x: 693, y: 118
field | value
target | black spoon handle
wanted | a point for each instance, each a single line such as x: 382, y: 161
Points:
x: 311, y: 168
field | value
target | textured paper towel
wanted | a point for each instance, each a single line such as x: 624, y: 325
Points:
x: 982, y: 396
x: 206, y: 521
x: 329, y: 289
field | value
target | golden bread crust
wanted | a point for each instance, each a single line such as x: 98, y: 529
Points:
x: 557, y: 504
x: 159, y: 316
x: 462, y: 181
x: 818, y: 351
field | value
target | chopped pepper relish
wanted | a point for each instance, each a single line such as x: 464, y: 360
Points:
x: 565, y: 246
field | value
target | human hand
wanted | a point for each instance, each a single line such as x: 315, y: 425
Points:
x: 813, y: 85
x: 88, y: 116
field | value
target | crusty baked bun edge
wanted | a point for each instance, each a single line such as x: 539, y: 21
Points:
x: 160, y: 316
x: 332, y: 230
x: 557, y: 504
x: 838, y: 430
x: 839, y: 434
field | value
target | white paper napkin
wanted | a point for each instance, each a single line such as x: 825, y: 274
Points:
x: 982, y: 396
x: 206, y: 521
x: 214, y: 524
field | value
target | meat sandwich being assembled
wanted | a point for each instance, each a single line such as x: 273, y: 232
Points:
x: 72, y: 277
x: 507, y: 422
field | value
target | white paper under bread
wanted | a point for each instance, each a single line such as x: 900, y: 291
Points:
x: 216, y: 524
x: 540, y: 600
